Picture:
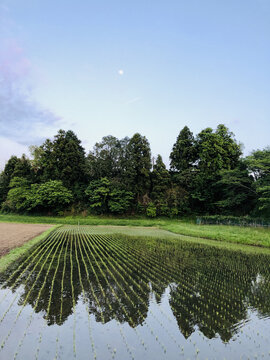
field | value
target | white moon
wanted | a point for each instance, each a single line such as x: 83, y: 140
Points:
x: 121, y: 72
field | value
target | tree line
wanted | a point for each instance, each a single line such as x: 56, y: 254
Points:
x: 208, y: 175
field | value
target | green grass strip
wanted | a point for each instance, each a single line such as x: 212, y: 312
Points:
x: 37, y: 256
x: 16, y: 253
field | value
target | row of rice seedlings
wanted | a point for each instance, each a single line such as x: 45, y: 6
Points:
x: 97, y: 302
x: 61, y: 297
x: 104, y: 296
x: 126, y: 271
x: 64, y: 241
x: 72, y: 292
x: 213, y: 287
x: 85, y: 300
x: 60, y: 240
x: 122, y: 290
x: 146, y: 272
x: 37, y: 250
x: 84, y: 242
x: 40, y: 249
x: 138, y: 269
x: 25, y: 282
x: 29, y: 292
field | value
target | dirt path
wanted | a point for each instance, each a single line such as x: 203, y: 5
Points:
x: 13, y: 235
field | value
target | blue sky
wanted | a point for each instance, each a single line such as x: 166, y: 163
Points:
x: 120, y: 67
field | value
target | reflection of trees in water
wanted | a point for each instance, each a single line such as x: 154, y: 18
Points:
x: 210, y: 289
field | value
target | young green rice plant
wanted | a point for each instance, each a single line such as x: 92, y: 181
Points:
x: 29, y: 292
x: 25, y: 282
x: 50, y: 297
x: 85, y: 242
x: 38, y: 252
x: 37, y: 301
x: 61, y: 297
x: 72, y: 292
x: 123, y: 292
x: 124, y: 271
x: 84, y: 297
x: 31, y: 316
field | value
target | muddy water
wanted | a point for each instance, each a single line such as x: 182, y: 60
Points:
x: 84, y: 296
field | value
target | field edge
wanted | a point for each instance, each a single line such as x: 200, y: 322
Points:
x: 17, y: 252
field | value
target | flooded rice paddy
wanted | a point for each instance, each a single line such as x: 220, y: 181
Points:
x: 77, y: 295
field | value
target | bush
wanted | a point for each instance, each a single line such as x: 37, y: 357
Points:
x: 151, y: 210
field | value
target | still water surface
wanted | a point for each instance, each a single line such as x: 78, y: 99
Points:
x: 83, y: 296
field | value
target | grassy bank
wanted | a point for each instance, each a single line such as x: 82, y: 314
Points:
x: 224, y: 233
x: 14, y: 254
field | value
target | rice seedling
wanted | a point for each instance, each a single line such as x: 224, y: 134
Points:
x: 147, y: 285
x: 28, y: 294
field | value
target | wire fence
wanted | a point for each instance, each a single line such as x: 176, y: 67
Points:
x: 233, y: 221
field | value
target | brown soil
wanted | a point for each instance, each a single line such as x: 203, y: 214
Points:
x: 13, y: 235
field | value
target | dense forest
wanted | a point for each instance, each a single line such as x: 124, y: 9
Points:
x: 207, y: 175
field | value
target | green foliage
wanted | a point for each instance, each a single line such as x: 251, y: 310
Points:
x: 61, y: 159
x: 107, y: 158
x: 51, y: 195
x: 22, y: 196
x: 217, y: 150
x: 120, y: 201
x: 151, y: 210
x: 18, y: 195
x: 15, y: 167
x: 98, y: 192
x: 236, y: 190
x: 258, y: 164
x: 183, y: 154
x: 207, y: 176
x: 137, y: 165
x: 161, y: 181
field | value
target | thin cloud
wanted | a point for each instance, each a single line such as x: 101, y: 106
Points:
x: 132, y: 101
x: 22, y: 119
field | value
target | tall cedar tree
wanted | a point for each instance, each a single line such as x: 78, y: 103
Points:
x: 6, y: 176
x: 160, y: 181
x: 183, y: 154
x: 137, y: 165
x: 63, y: 159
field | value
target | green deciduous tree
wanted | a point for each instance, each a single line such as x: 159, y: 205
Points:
x: 18, y: 195
x: 216, y: 151
x: 51, y: 195
x: 98, y: 192
x: 120, y: 201
x: 259, y: 167
x: 236, y: 191
x: 107, y: 158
